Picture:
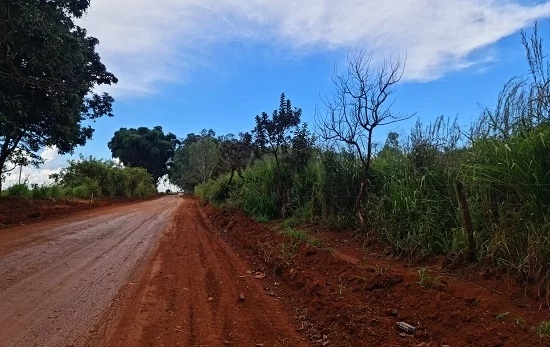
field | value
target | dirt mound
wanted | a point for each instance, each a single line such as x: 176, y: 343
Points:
x: 347, y: 296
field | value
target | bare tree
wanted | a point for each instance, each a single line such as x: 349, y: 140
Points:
x: 361, y: 103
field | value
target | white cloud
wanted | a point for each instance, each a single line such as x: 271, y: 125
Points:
x: 52, y: 159
x: 145, y: 42
x: 30, y: 175
x: 53, y: 163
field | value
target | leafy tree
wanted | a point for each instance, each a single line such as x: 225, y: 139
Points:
x: 273, y: 135
x: 195, y: 160
x: 48, y: 71
x: 302, y: 144
x: 288, y: 143
x: 144, y: 147
x: 236, y: 153
x: 204, y: 157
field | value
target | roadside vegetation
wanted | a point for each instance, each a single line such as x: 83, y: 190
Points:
x: 479, y: 192
x: 90, y: 178
x: 476, y: 193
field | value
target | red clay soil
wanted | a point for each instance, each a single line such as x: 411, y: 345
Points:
x: 172, y: 272
x: 344, y: 295
x: 18, y: 211
x: 58, y: 278
x: 199, y: 292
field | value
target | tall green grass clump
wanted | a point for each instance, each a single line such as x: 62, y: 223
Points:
x: 339, y: 175
x: 412, y: 204
x: 48, y: 192
x: 256, y: 192
x: 510, y: 182
x: 216, y: 192
x: 35, y: 191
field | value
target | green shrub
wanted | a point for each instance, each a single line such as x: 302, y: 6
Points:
x: 82, y: 191
x: 216, y: 191
x: 143, y: 190
x: 256, y: 193
x: 19, y: 190
x: 102, y: 178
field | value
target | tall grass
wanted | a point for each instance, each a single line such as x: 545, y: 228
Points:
x: 435, y: 193
x: 510, y: 187
x: 254, y: 192
x: 412, y: 204
x: 320, y: 192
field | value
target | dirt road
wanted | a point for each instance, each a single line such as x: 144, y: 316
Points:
x: 147, y: 274
x: 199, y: 292
x: 171, y: 272
x: 58, y: 278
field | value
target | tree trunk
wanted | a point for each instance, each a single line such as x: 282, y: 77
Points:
x: 3, y: 159
x: 466, y: 219
x: 365, y: 179
x: 359, y: 201
x: 7, y: 149
x: 231, y: 177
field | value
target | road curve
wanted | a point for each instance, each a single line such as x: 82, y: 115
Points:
x: 58, y: 278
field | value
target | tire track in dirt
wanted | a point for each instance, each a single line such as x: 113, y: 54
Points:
x: 190, y: 295
x: 57, y: 279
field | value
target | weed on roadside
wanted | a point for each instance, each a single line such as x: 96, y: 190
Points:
x: 428, y: 281
x: 288, y: 251
x: 300, y: 235
x: 341, y: 287
x: 543, y: 329
x: 507, y: 316
x: 379, y: 270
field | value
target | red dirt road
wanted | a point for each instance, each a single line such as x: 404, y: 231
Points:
x: 146, y: 274
x: 191, y: 295
x: 58, y: 278
x: 170, y: 272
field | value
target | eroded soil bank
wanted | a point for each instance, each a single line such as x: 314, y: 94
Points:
x: 344, y: 295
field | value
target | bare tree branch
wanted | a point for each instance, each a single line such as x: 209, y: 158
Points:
x: 360, y: 103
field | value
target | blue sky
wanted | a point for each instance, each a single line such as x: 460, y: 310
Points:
x: 192, y: 64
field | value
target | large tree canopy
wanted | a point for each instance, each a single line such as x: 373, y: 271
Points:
x: 144, y: 147
x: 196, y: 160
x: 48, y: 71
x: 236, y: 152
